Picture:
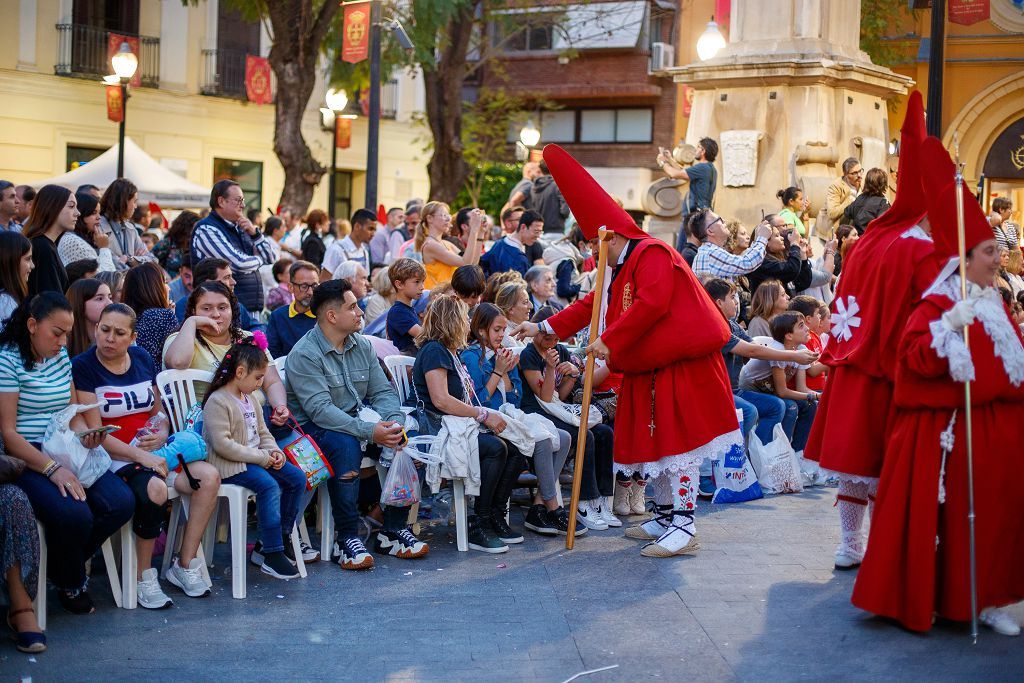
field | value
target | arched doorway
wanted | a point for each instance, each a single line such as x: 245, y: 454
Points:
x: 1004, y: 167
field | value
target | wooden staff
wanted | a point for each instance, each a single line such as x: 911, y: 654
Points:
x: 603, y: 236
x: 969, y: 432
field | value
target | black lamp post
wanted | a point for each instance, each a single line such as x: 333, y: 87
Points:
x: 124, y: 63
x: 936, y: 62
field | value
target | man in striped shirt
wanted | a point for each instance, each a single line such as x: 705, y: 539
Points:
x: 712, y: 257
x: 227, y: 234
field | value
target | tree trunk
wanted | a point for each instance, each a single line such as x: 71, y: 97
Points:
x: 447, y: 168
x: 298, y: 32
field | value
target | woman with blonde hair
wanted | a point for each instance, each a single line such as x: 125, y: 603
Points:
x: 513, y: 298
x: 381, y: 298
x: 496, y: 280
x: 770, y: 299
x: 441, y: 257
x: 441, y: 385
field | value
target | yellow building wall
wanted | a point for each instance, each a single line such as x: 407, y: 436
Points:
x: 44, y: 113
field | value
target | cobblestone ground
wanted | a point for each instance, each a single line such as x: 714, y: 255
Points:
x: 759, y: 602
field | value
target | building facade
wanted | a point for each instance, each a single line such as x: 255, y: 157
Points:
x: 598, y: 64
x: 189, y: 111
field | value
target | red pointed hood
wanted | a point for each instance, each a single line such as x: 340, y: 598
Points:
x: 382, y: 215
x: 939, y: 179
x: 910, y: 203
x: 592, y: 207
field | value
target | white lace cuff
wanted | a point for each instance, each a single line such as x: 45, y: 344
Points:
x: 949, y: 344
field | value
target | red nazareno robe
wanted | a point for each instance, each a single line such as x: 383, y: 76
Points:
x: 905, y: 574
x: 849, y: 430
x: 661, y: 325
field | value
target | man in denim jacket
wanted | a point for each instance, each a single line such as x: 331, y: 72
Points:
x: 330, y: 373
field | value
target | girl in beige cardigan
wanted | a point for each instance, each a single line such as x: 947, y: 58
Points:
x: 243, y: 451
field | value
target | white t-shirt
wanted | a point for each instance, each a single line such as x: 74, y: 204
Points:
x: 252, y: 430
x: 345, y: 250
x: 757, y: 369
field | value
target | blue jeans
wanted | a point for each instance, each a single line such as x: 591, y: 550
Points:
x: 344, y: 455
x: 801, y: 415
x: 277, y: 500
x: 76, y: 530
x: 770, y: 411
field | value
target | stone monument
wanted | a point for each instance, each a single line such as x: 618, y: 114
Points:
x: 788, y: 99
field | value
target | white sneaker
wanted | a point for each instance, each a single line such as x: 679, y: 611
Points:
x: 653, y: 528
x: 150, y: 595
x: 604, y: 512
x: 190, y: 580
x: 849, y: 553
x: 1000, y: 621
x: 680, y: 538
x: 590, y: 517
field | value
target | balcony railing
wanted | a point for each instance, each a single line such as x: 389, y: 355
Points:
x: 389, y: 99
x: 82, y: 53
x: 224, y: 73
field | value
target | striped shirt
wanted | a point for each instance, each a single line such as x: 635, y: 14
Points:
x: 42, y: 391
x: 209, y: 242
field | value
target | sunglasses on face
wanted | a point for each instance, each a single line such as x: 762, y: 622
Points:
x: 303, y: 287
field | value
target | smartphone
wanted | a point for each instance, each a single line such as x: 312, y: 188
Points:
x: 109, y: 429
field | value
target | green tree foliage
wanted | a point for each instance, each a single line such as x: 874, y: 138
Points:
x: 879, y: 24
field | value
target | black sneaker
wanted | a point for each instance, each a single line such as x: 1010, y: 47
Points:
x: 76, y: 602
x: 402, y: 544
x: 502, y: 530
x: 539, y: 521
x: 560, y: 520
x: 482, y: 538
x: 278, y: 566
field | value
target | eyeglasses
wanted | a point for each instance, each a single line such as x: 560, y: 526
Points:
x: 857, y: 172
x: 303, y: 287
x: 240, y: 201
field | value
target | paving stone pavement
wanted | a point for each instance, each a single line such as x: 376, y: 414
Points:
x: 759, y: 602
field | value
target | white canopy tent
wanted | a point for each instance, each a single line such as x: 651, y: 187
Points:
x: 155, y: 182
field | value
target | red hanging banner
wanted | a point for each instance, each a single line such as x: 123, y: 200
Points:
x: 967, y: 12
x: 257, y: 80
x: 114, y: 41
x: 115, y: 107
x: 355, y: 45
x: 722, y: 11
x: 343, y: 138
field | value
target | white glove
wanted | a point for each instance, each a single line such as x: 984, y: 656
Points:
x: 960, y: 316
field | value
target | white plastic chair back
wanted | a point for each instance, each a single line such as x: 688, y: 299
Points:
x: 400, y: 368
x: 762, y: 340
x: 279, y: 364
x: 178, y: 393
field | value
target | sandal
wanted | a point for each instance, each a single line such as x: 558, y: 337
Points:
x: 30, y: 642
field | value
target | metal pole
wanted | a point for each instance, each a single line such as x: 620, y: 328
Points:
x: 333, y: 170
x: 936, y: 63
x: 120, y: 134
x: 969, y: 432
x: 373, y: 130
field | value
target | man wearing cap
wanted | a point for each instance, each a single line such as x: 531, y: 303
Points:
x: 675, y: 407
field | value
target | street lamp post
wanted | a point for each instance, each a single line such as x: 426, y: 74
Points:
x: 124, y: 63
x: 936, y: 61
x: 337, y: 100
x: 373, y: 127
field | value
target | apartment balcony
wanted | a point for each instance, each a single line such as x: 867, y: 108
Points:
x: 82, y: 52
x: 224, y: 74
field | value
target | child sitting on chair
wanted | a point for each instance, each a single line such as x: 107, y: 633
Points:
x: 243, y: 451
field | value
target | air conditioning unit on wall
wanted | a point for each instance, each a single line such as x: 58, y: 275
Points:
x: 662, y: 57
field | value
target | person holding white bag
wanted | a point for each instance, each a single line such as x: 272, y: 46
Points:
x: 498, y: 385
x: 35, y: 384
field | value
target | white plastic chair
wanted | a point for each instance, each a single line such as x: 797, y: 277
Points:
x: 762, y: 340
x: 178, y: 393
x: 400, y: 368
x: 116, y: 588
x: 279, y: 364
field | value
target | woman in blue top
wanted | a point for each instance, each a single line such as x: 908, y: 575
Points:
x: 496, y: 381
x: 36, y: 383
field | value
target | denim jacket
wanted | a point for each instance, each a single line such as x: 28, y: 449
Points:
x: 327, y: 386
x: 480, y: 372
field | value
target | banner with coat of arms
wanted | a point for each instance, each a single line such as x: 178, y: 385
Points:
x: 967, y: 12
x: 257, y: 80
x: 115, y: 107
x: 355, y: 44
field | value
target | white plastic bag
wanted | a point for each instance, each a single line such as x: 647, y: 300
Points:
x: 402, y: 485
x: 570, y: 413
x: 735, y: 478
x: 66, y: 449
x: 777, y: 468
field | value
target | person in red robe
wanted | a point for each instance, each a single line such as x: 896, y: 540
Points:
x: 882, y: 280
x: 665, y: 335
x: 917, y: 563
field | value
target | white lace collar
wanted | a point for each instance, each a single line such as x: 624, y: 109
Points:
x: 989, y: 311
x: 917, y: 233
